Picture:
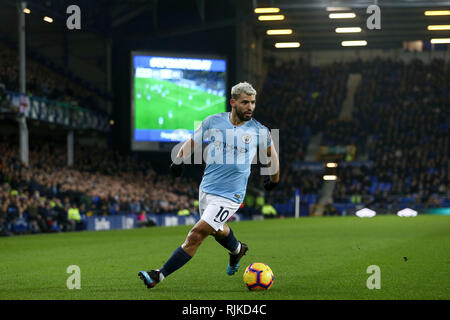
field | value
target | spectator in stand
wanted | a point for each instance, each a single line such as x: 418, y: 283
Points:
x: 330, y: 209
x: 12, y: 209
x: 36, y: 221
x: 74, y: 217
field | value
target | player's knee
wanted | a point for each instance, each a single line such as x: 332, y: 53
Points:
x: 221, y: 234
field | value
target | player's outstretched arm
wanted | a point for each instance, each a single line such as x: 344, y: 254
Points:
x: 186, y: 150
x: 274, y: 169
x: 183, y: 154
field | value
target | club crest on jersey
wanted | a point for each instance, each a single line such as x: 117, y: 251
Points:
x: 246, y: 138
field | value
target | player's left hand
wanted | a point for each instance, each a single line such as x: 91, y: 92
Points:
x: 176, y: 169
x: 269, y: 185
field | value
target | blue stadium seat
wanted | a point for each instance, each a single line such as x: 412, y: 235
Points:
x: 20, y: 225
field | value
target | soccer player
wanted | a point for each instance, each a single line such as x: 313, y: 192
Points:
x: 233, y: 138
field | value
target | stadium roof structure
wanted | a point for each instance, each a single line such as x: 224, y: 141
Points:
x: 140, y: 23
x: 104, y: 22
x: 401, y: 20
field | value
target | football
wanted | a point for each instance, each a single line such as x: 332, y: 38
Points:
x: 258, y: 276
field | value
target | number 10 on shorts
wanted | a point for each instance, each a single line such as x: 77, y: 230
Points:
x: 221, y: 216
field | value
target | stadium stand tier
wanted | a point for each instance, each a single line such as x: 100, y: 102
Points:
x: 399, y: 127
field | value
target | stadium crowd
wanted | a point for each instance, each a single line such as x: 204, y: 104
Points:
x: 100, y: 183
x: 403, y: 108
x: 405, y: 149
x: 298, y: 99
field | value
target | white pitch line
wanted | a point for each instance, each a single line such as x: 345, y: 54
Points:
x: 184, y: 103
x: 208, y: 105
x: 195, y: 107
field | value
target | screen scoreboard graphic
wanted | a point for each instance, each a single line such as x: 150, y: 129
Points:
x: 171, y: 95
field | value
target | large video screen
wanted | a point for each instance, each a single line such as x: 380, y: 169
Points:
x: 172, y: 94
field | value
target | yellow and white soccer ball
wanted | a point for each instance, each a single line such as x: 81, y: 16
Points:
x: 258, y: 276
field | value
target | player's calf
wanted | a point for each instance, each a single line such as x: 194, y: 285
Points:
x: 196, y: 236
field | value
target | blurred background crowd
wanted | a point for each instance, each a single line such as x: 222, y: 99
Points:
x: 401, y: 118
x: 399, y: 126
x: 100, y: 183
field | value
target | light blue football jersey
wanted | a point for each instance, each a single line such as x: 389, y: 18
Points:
x: 229, y: 154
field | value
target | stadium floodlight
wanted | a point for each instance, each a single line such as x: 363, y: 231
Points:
x: 330, y: 177
x: 437, y: 13
x: 26, y: 10
x: 267, y: 10
x: 365, y: 213
x: 354, y: 43
x: 271, y: 17
x: 347, y: 15
x: 440, y: 41
x: 48, y: 19
x: 348, y: 30
x: 331, y: 165
x: 280, y: 45
x: 438, y: 27
x: 407, y: 212
x: 338, y: 9
x: 277, y: 32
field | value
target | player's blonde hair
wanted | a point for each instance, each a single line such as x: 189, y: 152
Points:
x: 242, y: 87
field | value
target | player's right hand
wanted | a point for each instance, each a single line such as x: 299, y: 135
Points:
x: 176, y: 169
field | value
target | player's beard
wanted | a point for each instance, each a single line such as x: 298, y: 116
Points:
x: 242, y: 116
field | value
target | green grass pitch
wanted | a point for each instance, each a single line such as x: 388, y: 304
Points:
x: 312, y: 258
x: 161, y: 104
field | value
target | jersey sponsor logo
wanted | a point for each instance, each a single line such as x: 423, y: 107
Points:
x: 228, y: 148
